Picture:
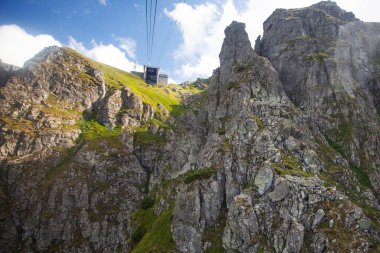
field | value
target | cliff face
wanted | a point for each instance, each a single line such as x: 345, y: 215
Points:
x: 327, y: 62
x: 72, y: 157
x: 279, y: 154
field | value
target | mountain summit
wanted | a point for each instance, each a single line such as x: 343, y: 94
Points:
x: 280, y: 153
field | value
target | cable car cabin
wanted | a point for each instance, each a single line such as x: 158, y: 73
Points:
x: 151, y: 75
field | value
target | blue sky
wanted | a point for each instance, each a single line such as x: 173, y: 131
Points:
x: 114, y: 31
x: 88, y: 20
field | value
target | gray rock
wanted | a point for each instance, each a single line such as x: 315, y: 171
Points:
x: 291, y: 144
x: 281, y: 190
x: 314, y: 63
x: 242, y: 225
x: 264, y: 179
x: 310, y: 82
x: 310, y: 158
x: 319, y: 243
x: 318, y: 217
x: 294, y: 238
x: 353, y: 215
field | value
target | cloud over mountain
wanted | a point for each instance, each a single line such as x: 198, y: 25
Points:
x: 17, y: 46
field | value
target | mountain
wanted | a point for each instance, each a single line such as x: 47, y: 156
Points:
x: 281, y: 153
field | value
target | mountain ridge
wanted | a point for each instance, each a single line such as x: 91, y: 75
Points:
x: 279, y: 154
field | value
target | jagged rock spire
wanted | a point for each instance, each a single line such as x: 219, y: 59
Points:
x: 236, y: 45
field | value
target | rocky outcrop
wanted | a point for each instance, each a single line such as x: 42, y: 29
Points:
x: 326, y: 60
x: 6, y: 70
x: 269, y: 155
x: 42, y: 104
x: 62, y: 179
x: 279, y: 154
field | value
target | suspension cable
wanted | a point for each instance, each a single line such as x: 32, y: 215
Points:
x: 147, y: 30
x: 167, y: 38
x: 154, y: 25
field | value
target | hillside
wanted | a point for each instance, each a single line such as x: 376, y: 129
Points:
x: 280, y: 153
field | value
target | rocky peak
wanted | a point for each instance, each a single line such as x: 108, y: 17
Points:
x: 326, y: 59
x: 49, y: 55
x: 320, y: 21
x: 332, y: 9
x: 236, y: 45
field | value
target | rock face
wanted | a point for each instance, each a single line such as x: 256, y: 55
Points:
x: 327, y: 63
x: 279, y: 154
x: 6, y: 70
x: 58, y: 185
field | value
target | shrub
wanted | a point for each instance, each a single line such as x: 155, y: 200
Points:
x: 193, y: 175
x: 138, y: 234
x: 318, y: 56
x: 146, y: 203
x: 221, y: 131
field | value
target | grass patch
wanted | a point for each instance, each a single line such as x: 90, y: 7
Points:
x: 138, y: 234
x: 362, y: 176
x: 169, y: 96
x: 177, y: 110
x: 152, y: 95
x: 221, y: 131
x: 93, y: 130
x: 22, y: 125
x: 340, y: 137
x: 290, y: 165
x: 319, y: 56
x: 335, y: 146
x: 160, y: 124
x: 226, y: 145
x: 146, y: 203
x: 215, y: 249
x: 198, y: 174
x: 242, y: 67
x: 60, y: 108
x: 153, y: 233
x: 214, y: 235
x: 232, y: 85
x: 259, y: 123
x: 292, y: 42
x: 291, y: 162
x: 146, y: 137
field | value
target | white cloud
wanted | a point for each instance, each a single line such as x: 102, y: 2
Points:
x: 202, y: 27
x: 103, y: 2
x: 128, y: 45
x: 105, y: 53
x: 17, y: 46
x: 172, y: 81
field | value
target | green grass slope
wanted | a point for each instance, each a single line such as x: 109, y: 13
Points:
x: 169, y: 96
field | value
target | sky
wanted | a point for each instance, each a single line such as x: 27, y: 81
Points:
x: 115, y: 32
